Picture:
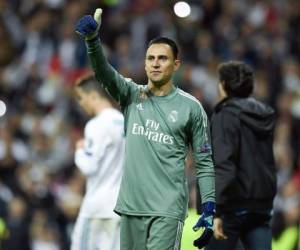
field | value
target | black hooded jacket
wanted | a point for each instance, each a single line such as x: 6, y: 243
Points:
x: 242, y: 139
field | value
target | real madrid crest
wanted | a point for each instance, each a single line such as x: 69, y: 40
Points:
x: 173, y: 116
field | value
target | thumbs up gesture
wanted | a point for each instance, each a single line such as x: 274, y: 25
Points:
x: 89, y: 26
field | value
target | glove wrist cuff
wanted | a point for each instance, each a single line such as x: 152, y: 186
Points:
x: 92, y: 37
x: 209, y: 208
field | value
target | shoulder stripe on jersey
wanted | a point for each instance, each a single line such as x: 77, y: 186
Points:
x: 181, y: 92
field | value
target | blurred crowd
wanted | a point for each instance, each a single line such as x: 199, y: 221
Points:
x: 41, y: 56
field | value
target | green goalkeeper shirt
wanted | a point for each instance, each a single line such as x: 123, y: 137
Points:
x: 159, y: 130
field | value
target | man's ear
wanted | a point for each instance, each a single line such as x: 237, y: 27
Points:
x: 177, y: 64
x: 222, y: 91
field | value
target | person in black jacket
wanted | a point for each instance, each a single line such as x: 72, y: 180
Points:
x: 242, y: 138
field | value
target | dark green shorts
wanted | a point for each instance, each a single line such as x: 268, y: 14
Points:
x: 150, y: 233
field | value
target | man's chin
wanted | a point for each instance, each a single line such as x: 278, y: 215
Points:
x: 157, y: 83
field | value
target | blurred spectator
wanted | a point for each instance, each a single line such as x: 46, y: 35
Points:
x: 17, y: 225
x: 44, y: 233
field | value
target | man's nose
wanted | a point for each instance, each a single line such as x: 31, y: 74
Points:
x: 155, y: 63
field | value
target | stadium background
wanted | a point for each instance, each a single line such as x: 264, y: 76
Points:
x: 41, y: 56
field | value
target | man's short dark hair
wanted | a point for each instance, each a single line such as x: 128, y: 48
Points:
x: 88, y: 83
x: 167, y: 41
x: 237, y: 78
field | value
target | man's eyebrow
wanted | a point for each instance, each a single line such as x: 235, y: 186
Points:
x: 159, y: 56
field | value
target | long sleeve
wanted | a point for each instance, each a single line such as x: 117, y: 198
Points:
x: 119, y: 87
x: 101, y: 161
x: 202, y: 155
x: 96, y: 142
x: 225, y: 134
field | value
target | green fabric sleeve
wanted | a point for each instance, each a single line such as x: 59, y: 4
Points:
x: 116, y: 85
x: 201, y: 146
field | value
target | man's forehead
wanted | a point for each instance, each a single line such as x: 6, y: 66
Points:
x: 159, y: 49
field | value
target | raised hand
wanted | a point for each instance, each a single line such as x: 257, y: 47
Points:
x: 88, y: 26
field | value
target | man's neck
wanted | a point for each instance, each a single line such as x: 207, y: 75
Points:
x: 161, y: 90
x: 102, y: 105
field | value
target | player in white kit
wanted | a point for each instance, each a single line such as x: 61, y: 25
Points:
x: 99, y: 156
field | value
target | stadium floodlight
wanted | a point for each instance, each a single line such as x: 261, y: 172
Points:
x: 182, y: 9
x: 2, y: 108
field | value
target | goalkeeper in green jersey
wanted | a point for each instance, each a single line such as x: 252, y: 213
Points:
x: 161, y: 121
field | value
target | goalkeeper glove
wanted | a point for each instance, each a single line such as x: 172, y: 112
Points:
x: 206, y: 221
x: 87, y: 26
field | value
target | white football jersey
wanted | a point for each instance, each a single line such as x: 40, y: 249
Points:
x: 101, y: 161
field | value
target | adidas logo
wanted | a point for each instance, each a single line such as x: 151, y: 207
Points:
x: 140, y: 107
